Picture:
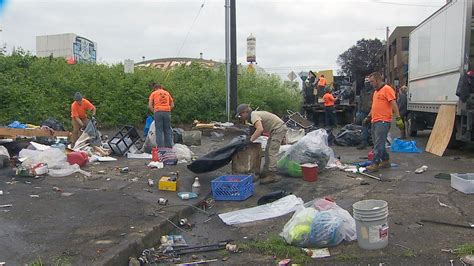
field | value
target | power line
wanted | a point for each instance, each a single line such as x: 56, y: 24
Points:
x: 190, y: 28
x: 402, y: 4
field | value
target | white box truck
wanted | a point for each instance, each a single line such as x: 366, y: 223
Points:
x: 441, y: 53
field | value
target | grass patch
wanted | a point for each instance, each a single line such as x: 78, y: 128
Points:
x: 37, y: 262
x: 409, y: 253
x: 276, y: 246
x: 346, y: 257
x: 463, y: 250
x: 65, y: 259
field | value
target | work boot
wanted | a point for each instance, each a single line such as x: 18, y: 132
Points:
x: 269, y: 178
x: 385, y: 164
x: 362, y: 146
x: 373, y: 168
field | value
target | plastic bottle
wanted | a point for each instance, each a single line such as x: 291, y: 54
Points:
x: 154, y: 155
x: 371, y: 155
x: 196, y: 186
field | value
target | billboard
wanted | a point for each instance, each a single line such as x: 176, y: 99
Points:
x: 84, y: 50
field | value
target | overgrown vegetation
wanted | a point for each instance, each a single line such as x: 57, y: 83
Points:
x: 33, y: 89
x: 277, y: 247
x: 463, y: 250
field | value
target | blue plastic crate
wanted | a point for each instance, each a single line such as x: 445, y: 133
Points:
x: 232, y: 187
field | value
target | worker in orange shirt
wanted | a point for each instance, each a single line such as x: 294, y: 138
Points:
x: 79, y: 120
x: 329, y: 110
x: 384, y: 105
x: 161, y: 103
x: 321, y: 86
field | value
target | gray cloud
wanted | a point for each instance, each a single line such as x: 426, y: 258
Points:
x: 289, y: 33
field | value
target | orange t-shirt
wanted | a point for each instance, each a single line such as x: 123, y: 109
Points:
x: 381, y: 107
x: 79, y: 110
x: 162, y: 100
x: 328, y: 99
x: 322, y: 82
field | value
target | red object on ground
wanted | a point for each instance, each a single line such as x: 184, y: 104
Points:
x: 310, y: 172
x: 155, y: 155
x: 78, y: 157
x: 370, y: 156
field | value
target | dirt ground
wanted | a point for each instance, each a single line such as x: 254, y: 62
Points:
x: 109, y: 217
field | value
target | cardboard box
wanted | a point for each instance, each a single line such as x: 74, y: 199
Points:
x: 165, y: 183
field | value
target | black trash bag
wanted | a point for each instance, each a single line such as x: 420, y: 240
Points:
x: 218, y: 158
x: 178, y: 135
x: 350, y: 135
x: 53, y: 124
x: 273, y: 196
x: 331, y: 137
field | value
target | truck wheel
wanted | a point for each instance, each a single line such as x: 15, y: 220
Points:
x: 411, y: 126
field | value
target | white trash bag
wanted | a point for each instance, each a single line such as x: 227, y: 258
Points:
x: 324, y: 224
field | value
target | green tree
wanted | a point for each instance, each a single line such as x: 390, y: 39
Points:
x: 360, y: 60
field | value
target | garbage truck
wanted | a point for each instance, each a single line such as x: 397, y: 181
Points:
x: 441, y: 60
x: 343, y: 91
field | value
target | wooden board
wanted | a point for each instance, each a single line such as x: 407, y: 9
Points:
x: 16, y: 132
x: 442, y: 130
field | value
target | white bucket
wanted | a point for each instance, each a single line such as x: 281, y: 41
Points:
x: 371, y: 223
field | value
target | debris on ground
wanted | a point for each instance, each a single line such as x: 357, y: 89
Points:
x: 421, y: 169
x: 158, y: 165
x: 232, y: 248
x: 271, y: 210
x: 317, y: 253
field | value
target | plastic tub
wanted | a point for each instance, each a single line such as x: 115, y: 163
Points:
x: 371, y: 223
x: 463, y: 182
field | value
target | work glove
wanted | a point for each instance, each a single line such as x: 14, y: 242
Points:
x: 366, y: 121
x: 399, y: 123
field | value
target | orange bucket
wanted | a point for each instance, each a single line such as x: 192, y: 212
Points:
x: 310, y: 172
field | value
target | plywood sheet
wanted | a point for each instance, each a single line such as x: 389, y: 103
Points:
x: 442, y: 130
x: 16, y: 132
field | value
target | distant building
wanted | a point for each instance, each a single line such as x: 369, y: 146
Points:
x: 164, y: 63
x: 398, y: 56
x: 67, y: 45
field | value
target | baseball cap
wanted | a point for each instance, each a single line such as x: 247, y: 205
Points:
x: 77, y: 96
x: 242, y: 107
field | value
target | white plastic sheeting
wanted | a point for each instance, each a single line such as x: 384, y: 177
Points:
x: 271, y: 210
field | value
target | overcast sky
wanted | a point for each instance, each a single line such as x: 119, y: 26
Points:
x: 291, y: 34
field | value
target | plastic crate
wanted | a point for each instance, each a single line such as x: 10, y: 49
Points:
x: 463, y: 182
x: 232, y: 187
x: 123, y: 140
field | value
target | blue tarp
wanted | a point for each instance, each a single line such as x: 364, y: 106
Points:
x: 148, y: 122
x: 405, y: 146
x: 16, y: 124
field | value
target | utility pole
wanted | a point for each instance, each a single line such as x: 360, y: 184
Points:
x: 230, y: 57
x: 227, y: 58
x: 233, y: 57
x: 387, y: 65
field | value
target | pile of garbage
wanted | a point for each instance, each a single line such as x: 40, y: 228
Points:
x: 42, y: 159
x: 321, y: 223
x: 312, y: 148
